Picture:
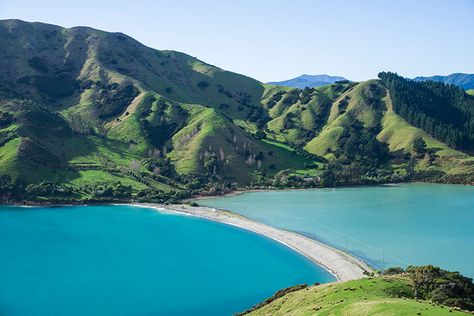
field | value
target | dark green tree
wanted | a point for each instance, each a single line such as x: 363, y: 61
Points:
x: 260, y: 134
x: 328, y: 178
x: 419, y: 147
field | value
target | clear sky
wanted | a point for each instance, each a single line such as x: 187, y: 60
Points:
x: 277, y: 39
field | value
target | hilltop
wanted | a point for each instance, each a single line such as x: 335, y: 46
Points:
x: 88, y: 115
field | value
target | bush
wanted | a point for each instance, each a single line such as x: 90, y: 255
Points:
x: 260, y: 134
x: 393, y: 271
x: 54, y: 87
x: 6, y: 118
x: 203, y: 85
x: 114, y: 99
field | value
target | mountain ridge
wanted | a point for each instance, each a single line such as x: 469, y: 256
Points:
x: 100, y: 116
x: 463, y: 80
x: 310, y: 81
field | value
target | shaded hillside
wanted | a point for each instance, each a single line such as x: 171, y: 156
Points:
x: 310, y: 81
x: 465, y: 81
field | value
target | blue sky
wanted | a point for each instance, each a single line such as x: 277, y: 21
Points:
x: 276, y: 40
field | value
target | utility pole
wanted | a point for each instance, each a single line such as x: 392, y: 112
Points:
x: 383, y: 261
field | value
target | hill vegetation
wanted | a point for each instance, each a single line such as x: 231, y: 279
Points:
x: 444, y: 111
x: 87, y: 115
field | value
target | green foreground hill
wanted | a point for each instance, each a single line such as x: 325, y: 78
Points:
x: 372, y: 296
x: 423, y: 290
x: 92, y: 115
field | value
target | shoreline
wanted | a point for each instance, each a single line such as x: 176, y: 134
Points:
x: 245, y: 190
x: 341, y: 265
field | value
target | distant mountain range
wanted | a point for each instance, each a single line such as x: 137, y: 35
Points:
x: 310, y: 81
x: 465, y: 81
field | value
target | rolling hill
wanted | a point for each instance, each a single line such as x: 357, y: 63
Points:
x: 465, y: 81
x: 310, y: 81
x: 90, y: 115
x: 373, y: 296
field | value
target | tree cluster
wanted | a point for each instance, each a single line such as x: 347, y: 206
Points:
x: 438, y: 285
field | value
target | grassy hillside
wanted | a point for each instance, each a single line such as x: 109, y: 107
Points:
x: 98, y: 115
x: 372, y: 296
x: 116, y: 110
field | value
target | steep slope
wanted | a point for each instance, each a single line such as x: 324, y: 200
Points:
x: 297, y: 115
x: 310, y: 81
x: 445, y: 111
x: 357, y: 127
x: 465, y: 81
x: 361, y: 104
x: 128, y: 112
x: 85, y: 67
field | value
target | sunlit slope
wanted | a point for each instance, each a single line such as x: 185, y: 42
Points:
x: 121, y: 101
x: 376, y: 296
x: 84, y: 106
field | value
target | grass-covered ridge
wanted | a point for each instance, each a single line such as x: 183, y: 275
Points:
x: 371, y: 296
x: 99, y: 116
x: 423, y: 290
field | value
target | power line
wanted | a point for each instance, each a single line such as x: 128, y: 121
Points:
x: 344, y: 235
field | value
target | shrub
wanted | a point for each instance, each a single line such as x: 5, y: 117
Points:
x: 203, y: 85
x: 393, y: 271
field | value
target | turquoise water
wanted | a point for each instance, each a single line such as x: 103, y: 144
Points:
x: 121, y: 260
x: 385, y: 225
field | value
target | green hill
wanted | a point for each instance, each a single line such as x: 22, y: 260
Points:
x: 425, y: 290
x: 373, y: 296
x: 93, y: 115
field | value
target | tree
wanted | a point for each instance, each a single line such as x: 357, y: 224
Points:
x: 419, y: 147
x: 441, y: 286
x: 135, y: 165
x: 202, y: 85
x: 260, y: 134
x: 210, y: 164
x: 328, y: 179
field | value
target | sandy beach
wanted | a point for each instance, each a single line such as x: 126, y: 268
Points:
x: 342, y: 265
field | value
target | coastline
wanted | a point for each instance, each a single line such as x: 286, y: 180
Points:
x: 272, y: 189
x: 340, y: 264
